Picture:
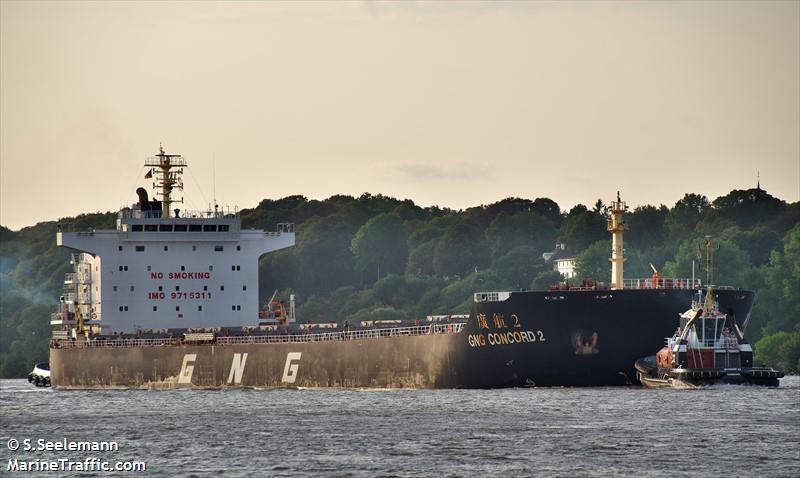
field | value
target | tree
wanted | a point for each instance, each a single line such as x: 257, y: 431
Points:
x: 748, y: 207
x: 545, y: 279
x: 685, y: 214
x: 548, y: 209
x: 420, y: 259
x: 461, y: 250
x: 523, y: 228
x: 780, y: 350
x: 729, y: 262
x: 593, y: 262
x: 758, y: 243
x: 582, y: 227
x: 325, y: 262
x: 483, y: 215
x: 520, y: 265
x: 647, y: 226
x: 780, y: 298
x: 380, y: 246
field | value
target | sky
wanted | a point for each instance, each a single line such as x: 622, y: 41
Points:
x: 445, y: 103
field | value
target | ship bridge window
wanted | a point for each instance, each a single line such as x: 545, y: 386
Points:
x: 119, y: 248
x: 139, y: 248
x: 150, y: 227
x: 210, y: 228
x: 137, y: 228
x: 180, y: 227
x: 224, y: 228
x: 165, y: 228
x: 219, y: 248
x: 195, y: 228
x: 238, y: 248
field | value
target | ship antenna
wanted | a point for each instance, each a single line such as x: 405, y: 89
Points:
x: 214, y: 179
x: 166, y: 177
x: 709, y: 302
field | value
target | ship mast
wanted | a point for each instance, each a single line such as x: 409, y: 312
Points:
x: 709, y: 302
x: 166, y: 178
x: 617, y: 226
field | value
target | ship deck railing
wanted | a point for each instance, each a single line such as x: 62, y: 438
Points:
x: 360, y: 334
x: 662, y: 283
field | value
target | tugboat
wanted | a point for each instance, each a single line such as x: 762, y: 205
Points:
x: 40, y: 375
x: 708, y: 348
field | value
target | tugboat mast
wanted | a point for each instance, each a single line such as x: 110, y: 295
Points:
x: 617, y: 226
x: 166, y: 179
x: 708, y: 306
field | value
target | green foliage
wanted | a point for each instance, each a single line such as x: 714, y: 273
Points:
x: 520, y: 266
x: 520, y: 229
x: 420, y: 260
x: 748, y: 208
x: 648, y: 222
x: 461, y: 250
x: 428, y: 258
x: 780, y: 350
x: 545, y: 279
x: 582, y: 227
x: 685, y: 214
x: 730, y: 262
x: 381, y: 246
x: 778, y: 304
x: 593, y: 262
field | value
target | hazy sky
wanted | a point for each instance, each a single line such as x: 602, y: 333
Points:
x: 450, y: 104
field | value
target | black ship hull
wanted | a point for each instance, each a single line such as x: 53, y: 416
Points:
x: 559, y: 338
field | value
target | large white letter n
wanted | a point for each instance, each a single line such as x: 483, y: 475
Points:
x: 237, y: 368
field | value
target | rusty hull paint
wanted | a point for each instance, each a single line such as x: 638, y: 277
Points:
x: 399, y: 362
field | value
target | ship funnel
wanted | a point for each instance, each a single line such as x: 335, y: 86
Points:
x: 143, y: 200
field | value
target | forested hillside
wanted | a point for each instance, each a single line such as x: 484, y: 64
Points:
x: 375, y: 257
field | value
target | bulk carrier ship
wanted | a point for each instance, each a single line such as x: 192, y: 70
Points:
x: 169, y: 299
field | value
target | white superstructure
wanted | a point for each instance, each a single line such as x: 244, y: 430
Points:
x: 157, y: 270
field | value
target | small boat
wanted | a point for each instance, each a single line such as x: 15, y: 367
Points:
x: 40, y: 376
x: 708, y: 348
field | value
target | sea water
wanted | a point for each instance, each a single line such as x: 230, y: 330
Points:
x: 623, y: 431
